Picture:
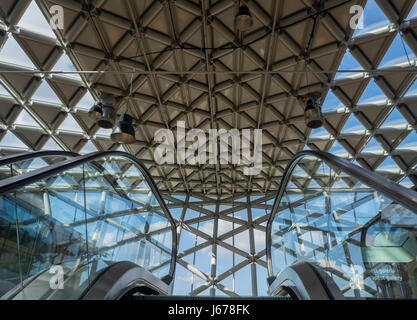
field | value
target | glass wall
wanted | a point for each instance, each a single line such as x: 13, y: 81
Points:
x: 77, y: 223
x: 365, y: 241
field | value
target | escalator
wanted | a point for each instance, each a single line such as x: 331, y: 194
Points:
x: 338, y: 231
x: 83, y: 227
x: 96, y: 227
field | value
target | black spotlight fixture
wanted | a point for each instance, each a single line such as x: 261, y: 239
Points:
x: 312, y: 112
x: 124, y: 132
x: 243, y: 19
x: 106, y: 119
x: 95, y: 111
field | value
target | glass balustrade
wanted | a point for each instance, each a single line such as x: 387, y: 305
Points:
x: 22, y: 166
x: 363, y: 239
x: 77, y: 223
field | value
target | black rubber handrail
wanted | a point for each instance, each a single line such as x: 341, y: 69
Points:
x: 398, y: 193
x: 35, y: 154
x: 16, y: 182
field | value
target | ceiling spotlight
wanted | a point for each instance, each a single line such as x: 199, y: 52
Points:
x: 124, y: 132
x: 106, y: 119
x: 312, y: 112
x: 243, y: 19
x: 95, y: 111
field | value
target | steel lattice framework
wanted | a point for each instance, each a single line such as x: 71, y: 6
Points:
x: 191, y: 64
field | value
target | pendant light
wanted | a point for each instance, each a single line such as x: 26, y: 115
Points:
x: 243, y: 19
x: 106, y: 120
x: 95, y: 111
x: 312, y: 112
x: 124, y: 132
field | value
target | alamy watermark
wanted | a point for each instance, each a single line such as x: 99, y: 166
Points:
x: 357, y: 19
x: 57, y: 17
x: 196, y: 152
x: 56, y: 282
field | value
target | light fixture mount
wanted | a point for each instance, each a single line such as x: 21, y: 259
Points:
x: 124, y: 132
x: 106, y: 120
x: 243, y: 19
x: 312, y: 111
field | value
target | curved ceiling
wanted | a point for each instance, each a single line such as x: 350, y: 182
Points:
x: 190, y: 63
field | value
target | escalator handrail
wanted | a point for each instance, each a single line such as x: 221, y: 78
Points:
x: 34, y: 154
x: 15, y: 182
x: 398, y: 193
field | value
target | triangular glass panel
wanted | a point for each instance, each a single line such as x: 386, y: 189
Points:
x: 396, y: 53
x: 352, y: 124
x: 413, y: 12
x: 257, y: 212
x: 51, y: 145
x: 192, y: 214
x: 409, y: 141
x: 60, y: 181
x: 298, y: 171
x: 65, y: 64
x: 373, y: 146
x: 26, y: 119
x: 33, y: 164
x: 34, y: 20
x: 373, y: 18
x: 86, y: 102
x: 387, y: 164
x: 337, y: 149
x: 113, y: 168
x: 348, y: 63
x: 394, y: 119
x: 176, y: 213
x: 371, y: 94
x: 10, y: 140
x: 133, y: 171
x: 45, y: 93
x: 313, y: 184
x: 319, y: 132
x: 13, y: 53
x: 88, y: 148
x: 331, y: 102
x: 340, y: 184
x: 143, y: 185
x: 120, y: 148
x: 412, y: 89
x: 3, y: 91
x: 95, y: 183
x: 242, y: 214
x: 70, y: 124
x: 406, y: 182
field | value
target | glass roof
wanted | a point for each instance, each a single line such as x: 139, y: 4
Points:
x: 393, y: 129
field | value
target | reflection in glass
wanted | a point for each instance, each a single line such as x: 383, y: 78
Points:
x: 365, y: 241
x: 83, y: 220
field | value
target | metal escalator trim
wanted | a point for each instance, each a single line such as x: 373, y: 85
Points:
x: 36, y: 154
x: 13, y: 183
x: 303, y: 281
x: 119, y: 278
x: 398, y: 193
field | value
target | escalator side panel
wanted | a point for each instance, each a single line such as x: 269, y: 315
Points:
x: 93, y: 210
x: 355, y: 226
x: 303, y: 282
x: 119, y: 279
